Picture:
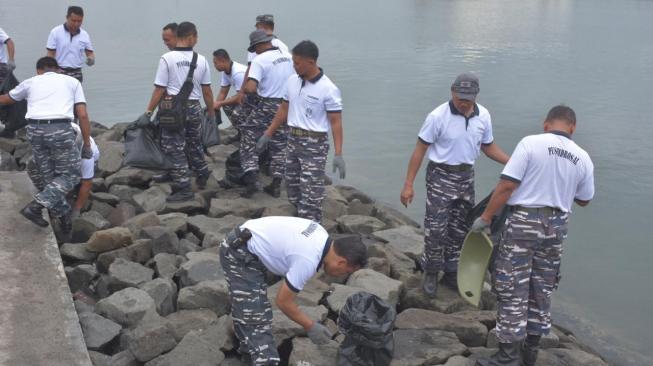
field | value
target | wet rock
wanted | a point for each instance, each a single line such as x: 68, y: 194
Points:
x: 111, y: 158
x: 125, y: 193
x: 391, y: 216
x: 7, y: 162
x: 200, y: 269
x: 121, y: 213
x: 446, y: 301
x: 163, y: 239
x: 152, y: 199
x: 176, y: 222
x: 336, y: 300
x: 305, y: 352
x: 425, y: 347
x: 165, y: 265
x: 98, y: 185
x: 109, y: 239
x: 380, y: 265
x: 283, y: 328
x: 220, y: 153
x: 192, y: 238
x: 102, y: 208
x: 184, y: 321
x: 459, y: 361
x: 129, y: 176
x: 140, y: 252
x: 88, y: 223
x: 126, y: 307
x: 164, y: 293
x: 124, y: 358
x: 405, y: 239
x: 77, y: 252
x: 191, y: 351
x: 286, y: 209
x: 105, y: 198
x: 220, y: 333
x: 576, y: 357
x: 186, y: 246
x: 83, y: 307
x: 150, y: 339
x: 359, y: 224
x: 486, y: 317
x: 351, y: 193
x: 200, y: 225
x: 333, y: 208
x: 98, y: 331
x: 376, y: 283
x: 212, y: 295
x: 79, y: 277
x: 99, y: 359
x: 124, y: 273
x: 243, y: 207
x: 137, y: 223
x: 356, y: 207
x: 471, y: 333
x: 198, y: 205
x: 212, y: 240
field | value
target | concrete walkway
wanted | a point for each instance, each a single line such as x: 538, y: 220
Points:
x: 38, y: 322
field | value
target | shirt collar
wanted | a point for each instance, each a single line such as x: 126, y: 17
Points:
x: 560, y: 133
x: 327, y: 247
x: 270, y: 49
x: 456, y: 112
x: 183, y: 49
x: 231, y: 68
x: 315, y: 79
x: 65, y: 27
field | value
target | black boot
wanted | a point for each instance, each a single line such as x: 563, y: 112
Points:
x: 162, y: 178
x: 530, y: 349
x: 202, y: 179
x: 66, y: 223
x: 450, y: 279
x: 274, y: 188
x: 509, y: 354
x: 249, y: 179
x: 181, y: 195
x: 34, y: 213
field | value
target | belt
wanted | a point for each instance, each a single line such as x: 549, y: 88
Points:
x: 70, y: 69
x: 306, y: 133
x: 48, y: 121
x: 455, y: 168
x: 271, y: 99
x: 547, y: 211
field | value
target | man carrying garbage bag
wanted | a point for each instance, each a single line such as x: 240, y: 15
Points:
x: 294, y: 248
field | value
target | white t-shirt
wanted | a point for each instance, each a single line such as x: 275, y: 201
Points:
x: 88, y: 165
x: 288, y: 246
x: 49, y: 95
x: 271, y: 69
x: 310, y: 100
x: 69, y: 49
x: 4, y: 37
x: 276, y: 42
x: 453, y: 138
x: 173, y: 69
x: 552, y: 171
x: 236, y: 77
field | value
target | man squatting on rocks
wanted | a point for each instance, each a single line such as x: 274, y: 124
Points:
x: 233, y: 74
x: 312, y: 104
x: 453, y: 134
x: 184, y: 145
x: 51, y: 99
x: 294, y: 248
x: 545, y: 175
x: 268, y: 74
x: 71, y: 45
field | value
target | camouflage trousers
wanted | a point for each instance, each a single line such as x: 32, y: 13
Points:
x: 250, y: 308
x: 4, y: 72
x: 305, y: 163
x: 57, y: 162
x: 74, y: 72
x: 449, y: 197
x: 527, y: 271
x: 257, y: 122
x: 238, y: 113
x: 184, y: 147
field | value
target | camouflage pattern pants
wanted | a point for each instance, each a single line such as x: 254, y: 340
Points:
x: 4, y: 72
x: 305, y: 163
x: 57, y: 161
x: 76, y: 73
x: 250, y: 308
x: 449, y: 197
x: 257, y: 122
x: 527, y: 270
x: 184, y: 147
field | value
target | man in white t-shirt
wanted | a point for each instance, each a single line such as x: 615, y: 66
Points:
x: 290, y: 247
x: 311, y: 107
x: 183, y: 145
x: 545, y: 175
x: 453, y: 134
x: 267, y: 78
x: 233, y: 75
x: 7, y: 53
x: 51, y: 99
x: 71, y: 45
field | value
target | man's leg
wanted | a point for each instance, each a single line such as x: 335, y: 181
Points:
x: 173, y: 144
x: 313, y: 162
x: 194, y: 149
x: 293, y: 170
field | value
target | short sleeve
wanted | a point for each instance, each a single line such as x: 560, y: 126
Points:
x: 161, y: 78
x: 300, y: 271
x: 79, y: 92
x: 224, y: 80
x: 20, y: 91
x: 585, y: 188
x: 430, y: 130
x: 88, y: 46
x: 488, y: 138
x: 4, y: 37
x: 256, y: 71
x: 206, y: 76
x: 237, y: 78
x: 333, y: 100
x: 516, y: 166
x: 52, y: 40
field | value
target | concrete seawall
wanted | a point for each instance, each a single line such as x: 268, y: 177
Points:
x: 38, y: 322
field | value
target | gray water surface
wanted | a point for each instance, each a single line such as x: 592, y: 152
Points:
x: 394, y: 62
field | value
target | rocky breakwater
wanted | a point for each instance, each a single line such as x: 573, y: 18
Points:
x: 149, y: 289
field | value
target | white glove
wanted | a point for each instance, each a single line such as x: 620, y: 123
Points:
x: 480, y: 225
x: 319, y: 334
x: 11, y: 64
x: 90, y: 61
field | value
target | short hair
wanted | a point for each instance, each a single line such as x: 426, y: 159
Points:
x: 221, y: 53
x: 562, y: 112
x: 46, y: 62
x: 77, y: 10
x: 306, y: 49
x: 172, y: 26
x: 186, y: 29
x: 351, y: 248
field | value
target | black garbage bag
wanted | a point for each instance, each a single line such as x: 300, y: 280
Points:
x: 367, y: 323
x: 210, y: 131
x: 13, y: 115
x: 234, y: 172
x: 143, y: 148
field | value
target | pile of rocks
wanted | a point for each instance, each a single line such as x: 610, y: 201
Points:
x: 149, y: 288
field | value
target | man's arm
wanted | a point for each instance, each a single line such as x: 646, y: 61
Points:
x: 157, y: 94
x: 11, y: 49
x: 6, y: 100
x: 335, y: 119
x: 494, y: 152
x: 89, y: 53
x: 407, y: 193
x: 222, y: 95
x: 208, y: 99
x: 286, y: 302
x: 501, y: 194
x: 84, y: 124
x: 280, y: 118
x: 51, y: 53
x: 581, y: 203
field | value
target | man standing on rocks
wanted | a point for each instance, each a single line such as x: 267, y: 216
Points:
x: 294, y: 248
x: 184, y: 146
x: 7, y: 53
x: 268, y: 74
x: 546, y: 174
x: 233, y: 74
x: 71, y: 45
x: 454, y: 134
x: 51, y: 99
x: 311, y: 106
x: 169, y: 35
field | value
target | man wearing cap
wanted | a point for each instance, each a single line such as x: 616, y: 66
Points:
x: 71, y: 45
x: 266, y: 22
x: 268, y: 74
x: 291, y: 247
x: 51, y: 99
x: 169, y: 36
x: 545, y: 175
x: 453, y: 135
x: 312, y: 105
x: 233, y: 75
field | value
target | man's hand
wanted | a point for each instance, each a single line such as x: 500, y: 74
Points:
x: 211, y: 118
x: 339, y: 164
x: 217, y: 105
x: 87, y: 152
x: 11, y: 64
x: 319, y: 334
x: 262, y: 143
x: 480, y: 225
x: 90, y: 61
x: 407, y: 195
x: 144, y: 119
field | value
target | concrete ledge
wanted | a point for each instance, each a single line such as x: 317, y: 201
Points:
x: 38, y: 322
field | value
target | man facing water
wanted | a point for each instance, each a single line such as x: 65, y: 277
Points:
x: 71, y: 45
x: 453, y: 134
